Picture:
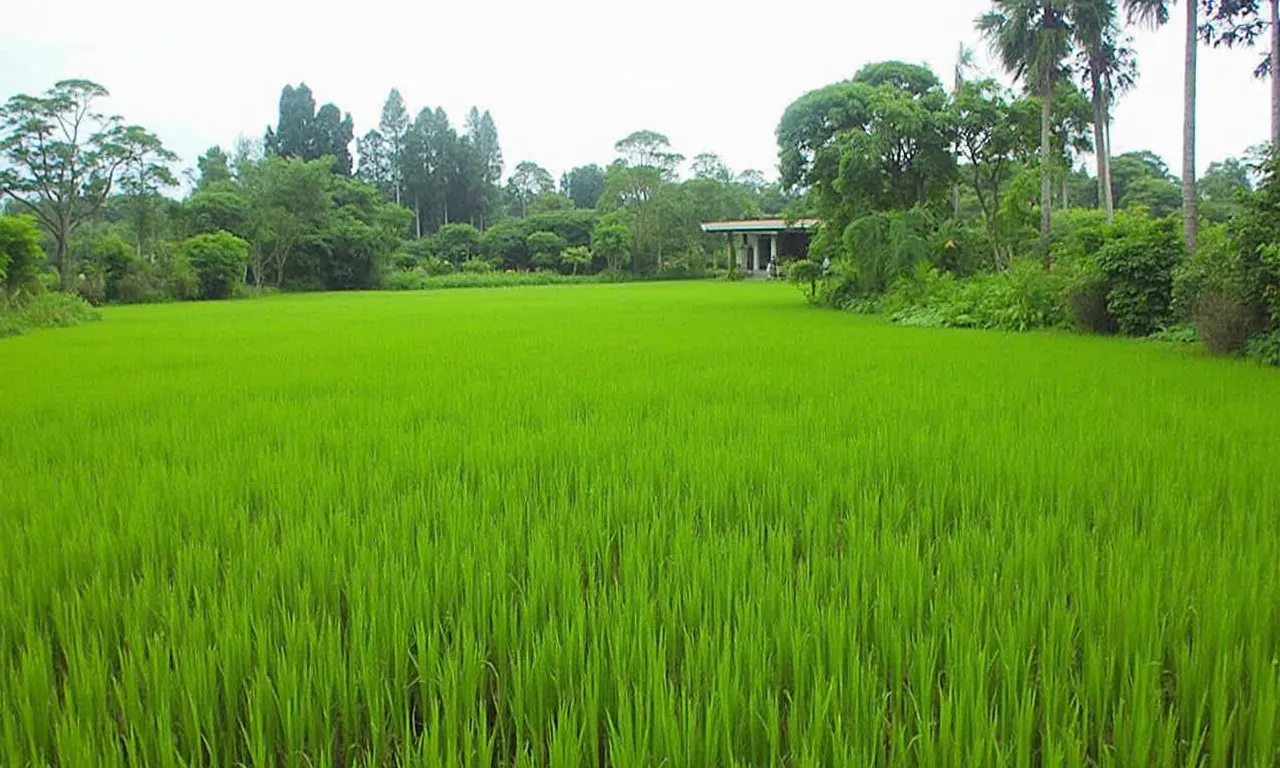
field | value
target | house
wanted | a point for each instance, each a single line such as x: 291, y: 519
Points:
x: 752, y: 244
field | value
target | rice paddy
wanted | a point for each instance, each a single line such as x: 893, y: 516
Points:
x: 691, y: 524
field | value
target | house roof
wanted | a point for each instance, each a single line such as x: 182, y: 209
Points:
x: 758, y: 225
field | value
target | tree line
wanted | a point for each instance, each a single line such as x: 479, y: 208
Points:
x: 932, y: 196
x: 300, y: 210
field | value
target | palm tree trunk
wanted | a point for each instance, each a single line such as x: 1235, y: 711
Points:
x: 1108, y: 188
x: 1189, y: 208
x: 1100, y: 149
x: 1046, y: 172
x: 1275, y: 74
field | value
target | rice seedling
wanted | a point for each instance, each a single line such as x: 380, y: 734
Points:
x: 629, y: 525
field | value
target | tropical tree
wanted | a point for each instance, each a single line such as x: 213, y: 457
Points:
x: 528, y: 182
x: 1156, y: 13
x: 1032, y: 38
x: 1109, y: 66
x: 60, y: 159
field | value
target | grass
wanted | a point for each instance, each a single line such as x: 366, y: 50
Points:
x: 630, y: 525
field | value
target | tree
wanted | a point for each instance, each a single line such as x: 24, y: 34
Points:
x: 292, y: 135
x: 289, y: 200
x: 214, y: 166
x: 392, y: 128
x: 220, y: 206
x: 544, y: 248
x: 1222, y: 189
x: 576, y: 257
x: 20, y: 254
x: 458, y: 243
x: 483, y: 136
x: 611, y: 240
x: 649, y: 149
x: 1110, y: 67
x: 303, y: 132
x: 219, y: 259
x: 1031, y: 39
x: 376, y: 164
x: 331, y: 135
x: 708, y: 165
x: 583, y: 185
x: 1155, y: 13
x: 985, y: 122
x: 144, y: 174
x: 60, y: 158
x: 527, y: 183
x: 1131, y: 167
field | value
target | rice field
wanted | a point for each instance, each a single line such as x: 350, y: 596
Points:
x: 693, y: 524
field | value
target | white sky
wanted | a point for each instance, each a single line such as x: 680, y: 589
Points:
x: 564, y: 79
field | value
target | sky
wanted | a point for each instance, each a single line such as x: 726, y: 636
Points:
x: 564, y: 79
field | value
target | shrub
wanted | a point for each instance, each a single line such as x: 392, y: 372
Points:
x: 1225, y: 322
x: 1265, y: 348
x: 806, y: 274
x: 44, y: 310
x: 21, y: 254
x: 1137, y: 263
x: 545, y: 248
x: 1088, y: 301
x: 476, y: 266
x: 457, y: 243
x: 219, y: 259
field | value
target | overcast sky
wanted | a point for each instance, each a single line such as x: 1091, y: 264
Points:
x: 564, y: 79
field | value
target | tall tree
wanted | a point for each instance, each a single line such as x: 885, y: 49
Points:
x: 393, y: 127
x: 649, y: 149
x: 331, y: 135
x: 376, y: 163
x: 1109, y: 66
x: 583, y: 185
x: 1156, y: 13
x: 1031, y: 38
x: 482, y: 134
x: 529, y: 182
x: 708, y: 165
x: 144, y: 174
x: 214, y: 166
x: 60, y: 158
x: 292, y: 136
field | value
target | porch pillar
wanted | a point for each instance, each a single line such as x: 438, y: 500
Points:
x: 728, y: 253
x: 754, y: 266
x: 773, y: 249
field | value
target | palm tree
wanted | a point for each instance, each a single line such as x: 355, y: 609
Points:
x: 1155, y: 13
x: 1110, y: 68
x: 964, y: 63
x: 1031, y: 38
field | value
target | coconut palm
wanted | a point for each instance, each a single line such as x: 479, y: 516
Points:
x: 1109, y: 67
x: 1031, y: 38
x: 1156, y: 13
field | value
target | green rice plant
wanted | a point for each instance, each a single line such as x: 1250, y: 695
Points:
x: 684, y: 524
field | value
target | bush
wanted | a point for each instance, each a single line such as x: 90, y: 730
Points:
x: 1225, y: 322
x: 476, y: 266
x: 21, y: 254
x: 219, y: 259
x: 44, y: 310
x: 1088, y: 300
x: 1137, y: 263
x: 1022, y: 298
x: 1265, y: 348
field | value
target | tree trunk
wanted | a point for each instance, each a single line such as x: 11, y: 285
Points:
x: 1066, y: 189
x: 1100, y: 150
x: 417, y: 216
x: 61, y: 259
x: 1275, y: 74
x: 1046, y: 173
x: 1108, y: 188
x: 1189, y: 207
